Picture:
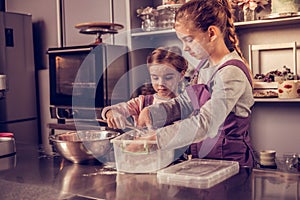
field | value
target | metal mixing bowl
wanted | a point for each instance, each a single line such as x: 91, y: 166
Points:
x: 83, y: 146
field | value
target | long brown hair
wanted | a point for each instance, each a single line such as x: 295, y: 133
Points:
x: 171, y: 55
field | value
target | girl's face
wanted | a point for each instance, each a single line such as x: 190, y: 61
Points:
x: 165, y: 79
x: 195, y: 42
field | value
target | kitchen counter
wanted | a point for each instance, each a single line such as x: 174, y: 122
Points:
x: 39, y: 176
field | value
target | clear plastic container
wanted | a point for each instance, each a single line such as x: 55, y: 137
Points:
x: 147, y: 158
x: 198, y: 173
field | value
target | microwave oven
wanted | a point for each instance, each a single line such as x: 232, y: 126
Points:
x: 87, y: 78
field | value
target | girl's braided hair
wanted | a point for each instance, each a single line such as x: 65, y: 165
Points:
x: 205, y: 13
x: 171, y: 55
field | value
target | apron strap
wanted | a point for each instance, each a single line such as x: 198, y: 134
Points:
x: 148, y: 100
x: 237, y: 63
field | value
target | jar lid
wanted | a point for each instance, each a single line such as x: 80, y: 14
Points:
x: 6, y: 134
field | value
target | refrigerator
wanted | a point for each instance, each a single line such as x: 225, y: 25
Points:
x: 18, y: 107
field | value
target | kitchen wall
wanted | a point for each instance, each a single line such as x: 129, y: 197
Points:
x: 275, y: 124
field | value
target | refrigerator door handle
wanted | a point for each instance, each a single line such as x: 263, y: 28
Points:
x: 3, y: 85
x: 3, y: 82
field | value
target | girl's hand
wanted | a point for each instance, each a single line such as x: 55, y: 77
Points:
x: 115, y: 120
x: 144, y: 119
x: 143, y: 147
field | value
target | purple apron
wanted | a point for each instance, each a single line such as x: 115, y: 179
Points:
x: 232, y: 141
x: 148, y: 100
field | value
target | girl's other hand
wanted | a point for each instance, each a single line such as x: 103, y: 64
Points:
x: 115, y: 120
x: 144, y: 119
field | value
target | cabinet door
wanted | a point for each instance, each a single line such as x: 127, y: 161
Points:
x: 82, y: 11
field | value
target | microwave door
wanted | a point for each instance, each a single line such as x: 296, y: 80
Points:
x: 85, y: 83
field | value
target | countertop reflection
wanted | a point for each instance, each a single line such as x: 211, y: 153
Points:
x: 38, y: 176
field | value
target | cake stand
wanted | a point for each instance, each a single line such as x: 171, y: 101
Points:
x: 98, y: 29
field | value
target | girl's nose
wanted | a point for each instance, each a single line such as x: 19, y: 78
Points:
x: 186, y: 47
x: 161, y: 81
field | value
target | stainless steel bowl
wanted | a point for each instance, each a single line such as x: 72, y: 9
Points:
x: 83, y: 146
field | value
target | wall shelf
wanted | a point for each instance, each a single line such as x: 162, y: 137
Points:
x: 276, y: 100
x: 152, y: 33
x: 268, y: 22
x: 239, y: 25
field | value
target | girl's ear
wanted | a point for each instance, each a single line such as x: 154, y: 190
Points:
x: 212, y: 33
x: 182, y: 75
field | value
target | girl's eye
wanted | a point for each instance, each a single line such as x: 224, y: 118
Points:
x: 170, y: 77
x: 188, y: 39
x: 154, y: 77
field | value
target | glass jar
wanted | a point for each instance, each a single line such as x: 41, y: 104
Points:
x: 148, y: 23
x: 249, y: 14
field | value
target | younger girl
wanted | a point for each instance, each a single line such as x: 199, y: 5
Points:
x: 167, y: 68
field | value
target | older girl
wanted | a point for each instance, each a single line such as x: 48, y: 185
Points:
x: 216, y: 109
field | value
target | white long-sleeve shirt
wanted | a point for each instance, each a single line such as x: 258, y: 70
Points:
x: 132, y: 107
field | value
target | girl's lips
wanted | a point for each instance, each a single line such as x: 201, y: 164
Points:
x: 192, y: 54
x: 162, y: 91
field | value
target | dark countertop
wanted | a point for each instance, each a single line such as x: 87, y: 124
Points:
x: 38, y: 176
